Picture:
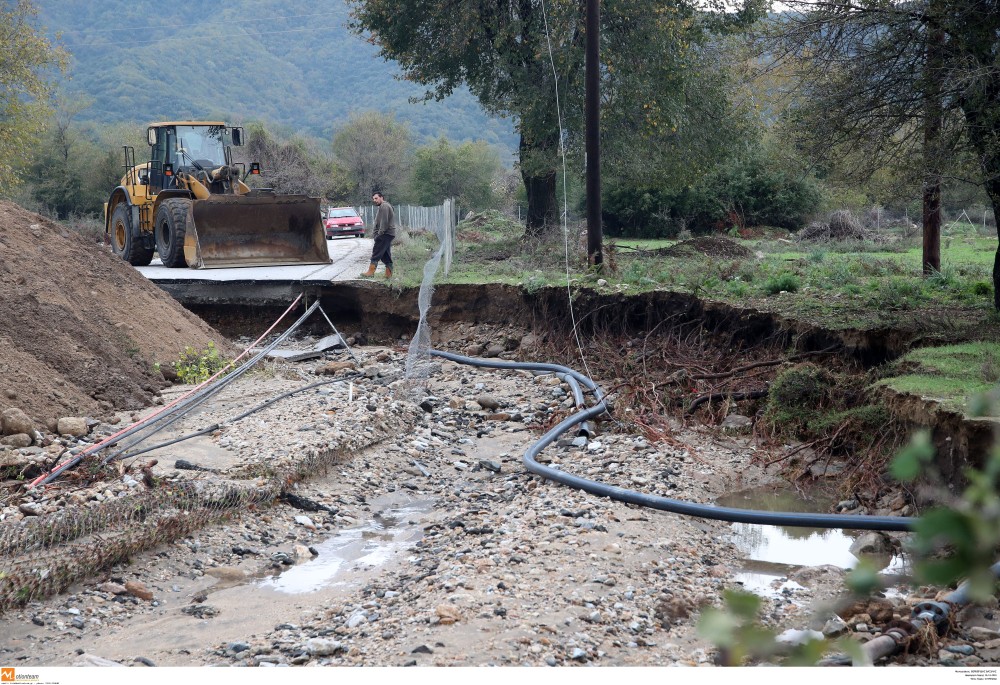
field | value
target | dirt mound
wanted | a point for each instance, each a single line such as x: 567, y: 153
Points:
x: 80, y: 329
x: 710, y: 246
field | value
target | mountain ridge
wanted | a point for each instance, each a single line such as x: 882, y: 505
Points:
x: 292, y: 63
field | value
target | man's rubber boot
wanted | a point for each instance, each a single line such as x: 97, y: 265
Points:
x: 388, y: 272
x: 370, y: 272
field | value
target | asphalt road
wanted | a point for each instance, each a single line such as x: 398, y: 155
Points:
x: 349, y: 257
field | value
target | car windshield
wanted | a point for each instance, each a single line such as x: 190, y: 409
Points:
x: 202, y: 144
x: 339, y: 213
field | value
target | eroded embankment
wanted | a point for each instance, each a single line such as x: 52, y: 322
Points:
x: 383, y: 314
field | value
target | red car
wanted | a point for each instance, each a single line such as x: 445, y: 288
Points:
x: 343, y: 221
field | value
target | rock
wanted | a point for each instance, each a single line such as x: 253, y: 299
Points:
x: 227, y: 573
x: 304, y: 520
x: 302, y: 554
x: 72, y: 425
x: 17, y: 440
x: 15, y: 421
x: 333, y: 368
x: 872, y: 544
x: 94, y: 660
x: 835, y: 627
x: 490, y: 465
x: 448, y: 613
x: 493, y: 351
x: 827, y: 573
x: 112, y: 588
x: 965, y: 650
x: 200, y: 611
x: 319, y: 646
x: 868, y: 610
x: 356, y: 619
x: 736, y: 422
x: 488, y: 402
x: 983, y: 634
x: 137, y: 589
x: 29, y: 509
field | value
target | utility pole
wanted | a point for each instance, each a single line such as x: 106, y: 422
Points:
x: 592, y: 133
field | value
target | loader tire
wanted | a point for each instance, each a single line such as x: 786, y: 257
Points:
x: 169, y: 228
x: 123, y: 243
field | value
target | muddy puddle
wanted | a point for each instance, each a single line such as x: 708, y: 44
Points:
x: 771, y: 553
x: 367, y: 546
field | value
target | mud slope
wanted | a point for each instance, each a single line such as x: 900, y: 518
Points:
x: 80, y: 329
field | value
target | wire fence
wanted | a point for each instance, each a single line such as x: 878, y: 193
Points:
x: 434, y: 219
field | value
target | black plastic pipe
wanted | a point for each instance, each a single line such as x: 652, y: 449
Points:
x: 708, y: 511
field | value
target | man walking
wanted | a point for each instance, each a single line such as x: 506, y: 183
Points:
x: 383, y: 233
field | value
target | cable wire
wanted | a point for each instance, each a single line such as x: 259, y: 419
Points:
x: 565, y: 212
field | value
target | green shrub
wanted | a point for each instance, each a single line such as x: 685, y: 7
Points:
x: 982, y: 289
x: 197, y: 367
x: 783, y: 282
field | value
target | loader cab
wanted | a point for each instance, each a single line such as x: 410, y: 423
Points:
x: 187, y: 146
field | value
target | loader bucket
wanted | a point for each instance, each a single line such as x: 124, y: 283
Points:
x: 258, y: 229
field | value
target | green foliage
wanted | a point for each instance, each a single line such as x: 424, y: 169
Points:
x: 754, y: 192
x: 736, y: 631
x: 26, y: 61
x: 959, y: 541
x: 743, y: 192
x: 505, y: 60
x: 74, y: 170
x: 465, y: 172
x: 913, y: 458
x: 197, y: 367
x: 374, y: 149
x: 783, y: 282
x: 865, y: 579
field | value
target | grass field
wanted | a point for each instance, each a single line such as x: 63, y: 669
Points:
x: 836, y: 286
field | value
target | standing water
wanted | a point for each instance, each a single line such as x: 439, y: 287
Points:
x: 371, y: 544
x: 771, y: 553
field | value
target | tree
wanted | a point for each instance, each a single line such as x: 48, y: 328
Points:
x: 375, y: 150
x: 919, y: 79
x: 513, y: 54
x: 74, y: 168
x: 287, y: 166
x: 25, y: 58
x: 465, y: 172
x: 56, y: 174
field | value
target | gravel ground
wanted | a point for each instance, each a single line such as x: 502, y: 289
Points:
x: 418, y: 538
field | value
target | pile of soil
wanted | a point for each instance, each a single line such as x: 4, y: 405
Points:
x: 710, y: 246
x: 80, y: 329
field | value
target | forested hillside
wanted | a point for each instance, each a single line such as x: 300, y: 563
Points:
x: 292, y: 63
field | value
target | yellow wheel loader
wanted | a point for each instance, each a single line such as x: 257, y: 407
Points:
x: 190, y: 204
